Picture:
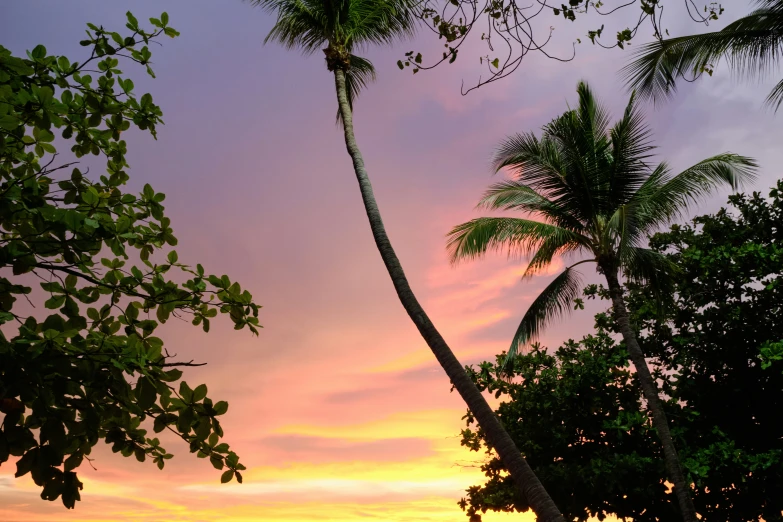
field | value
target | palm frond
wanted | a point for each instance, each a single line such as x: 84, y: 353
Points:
x: 349, y: 24
x: 592, y: 115
x: 775, y: 97
x: 300, y: 23
x: 664, y: 197
x: 539, y: 164
x: 547, y: 251
x: 554, y: 301
x: 622, y: 228
x: 631, y: 150
x: 752, y: 44
x: 758, y: 41
x: 515, y: 195
x: 360, y: 73
x: 519, y: 237
x: 380, y: 22
x: 581, y: 138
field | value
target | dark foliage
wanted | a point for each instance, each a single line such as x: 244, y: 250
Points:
x: 577, y: 413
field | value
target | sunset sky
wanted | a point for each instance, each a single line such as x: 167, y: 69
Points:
x: 338, y: 408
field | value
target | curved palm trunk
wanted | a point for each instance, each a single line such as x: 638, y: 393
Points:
x: 526, y: 481
x: 650, y: 392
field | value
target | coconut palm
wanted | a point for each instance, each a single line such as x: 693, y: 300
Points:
x: 594, y: 191
x: 753, y: 45
x: 343, y: 26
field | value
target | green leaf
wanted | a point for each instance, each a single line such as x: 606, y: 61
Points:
x: 132, y: 21
x: 73, y: 462
x: 232, y: 459
x: 199, y: 393
x: 226, y: 476
x: 172, y: 375
x: 185, y: 392
x: 146, y: 394
x: 9, y: 122
x: 26, y: 463
x: 185, y: 421
x: 216, y: 461
x: 56, y: 301
x: 220, y: 407
x: 39, y: 52
x: 70, y: 281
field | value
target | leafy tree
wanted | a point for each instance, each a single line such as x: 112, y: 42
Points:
x: 724, y: 327
x: 577, y: 416
x: 593, y: 444
x: 752, y: 46
x: 343, y: 26
x: 92, y: 369
x: 596, y: 192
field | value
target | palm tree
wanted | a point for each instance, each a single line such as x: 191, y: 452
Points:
x: 343, y: 26
x: 594, y: 191
x: 753, y: 44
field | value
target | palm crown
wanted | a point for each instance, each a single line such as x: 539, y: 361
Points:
x: 751, y: 44
x: 343, y: 26
x: 595, y: 191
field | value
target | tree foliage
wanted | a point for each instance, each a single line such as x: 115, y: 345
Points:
x: 577, y: 413
x: 86, y: 365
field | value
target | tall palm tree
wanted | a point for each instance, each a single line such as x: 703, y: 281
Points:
x: 594, y: 191
x: 753, y: 45
x: 342, y: 26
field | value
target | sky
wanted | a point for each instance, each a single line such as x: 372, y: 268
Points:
x: 338, y: 408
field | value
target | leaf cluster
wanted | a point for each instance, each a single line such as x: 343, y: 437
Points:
x: 576, y: 415
x: 82, y: 288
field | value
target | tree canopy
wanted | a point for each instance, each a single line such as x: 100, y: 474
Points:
x: 576, y: 413
x: 87, y: 274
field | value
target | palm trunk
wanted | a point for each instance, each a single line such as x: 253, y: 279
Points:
x: 524, y: 478
x: 650, y: 392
